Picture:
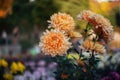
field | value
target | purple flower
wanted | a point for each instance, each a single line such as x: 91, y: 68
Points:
x: 106, y: 78
x: 50, y: 78
x: 115, y: 75
x: 31, y: 63
x: 42, y: 71
x: 37, y: 75
x: 27, y: 74
x: 26, y: 64
x: 112, y: 76
x: 52, y: 65
x: 41, y: 63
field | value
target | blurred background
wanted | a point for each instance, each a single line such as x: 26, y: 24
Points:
x: 23, y: 21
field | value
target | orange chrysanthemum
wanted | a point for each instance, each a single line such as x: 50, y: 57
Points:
x: 62, y: 21
x: 54, y: 42
x: 90, y: 45
x: 102, y: 26
x: 115, y: 44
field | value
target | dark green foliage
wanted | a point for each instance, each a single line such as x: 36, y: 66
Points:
x: 74, y: 71
x: 42, y: 11
x: 25, y: 13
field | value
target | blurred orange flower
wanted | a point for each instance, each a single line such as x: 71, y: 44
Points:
x: 54, y: 42
x: 90, y: 45
x: 3, y: 13
x: 5, y: 8
x: 102, y: 26
x: 62, y: 21
x: 115, y: 44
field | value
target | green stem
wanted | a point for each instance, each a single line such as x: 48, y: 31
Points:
x: 87, y: 28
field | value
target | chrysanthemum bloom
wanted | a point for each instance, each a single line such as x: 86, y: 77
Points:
x: 102, y: 26
x: 88, y: 45
x: 62, y: 21
x: 54, y: 42
x: 96, y: 47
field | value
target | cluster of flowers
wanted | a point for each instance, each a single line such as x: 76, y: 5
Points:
x: 102, y: 26
x: 29, y: 70
x: 57, y: 41
x: 16, y: 68
x: 40, y: 70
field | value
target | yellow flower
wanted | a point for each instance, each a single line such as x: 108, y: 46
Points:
x: 54, y: 42
x: 21, y: 67
x: 73, y: 56
x: 90, y: 45
x: 62, y: 21
x: 8, y: 77
x: 3, y: 63
x: 14, y: 67
x: 102, y: 26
